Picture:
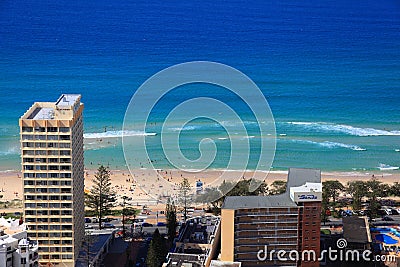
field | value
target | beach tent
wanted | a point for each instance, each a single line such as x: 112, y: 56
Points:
x: 386, y: 239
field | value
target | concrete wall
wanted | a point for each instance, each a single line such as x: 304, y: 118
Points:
x: 227, y: 234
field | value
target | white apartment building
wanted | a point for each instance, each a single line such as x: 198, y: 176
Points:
x: 51, y: 136
x: 16, y: 250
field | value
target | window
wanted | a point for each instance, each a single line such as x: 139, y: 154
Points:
x: 53, y: 175
x: 27, y: 137
x: 52, y: 145
x: 64, y: 145
x: 28, y: 144
x: 65, y: 175
x: 42, y: 212
x: 41, y: 137
x: 28, y: 167
x: 52, y: 129
x: 65, y: 137
x: 66, y: 190
x: 65, y: 160
x: 52, y: 137
x: 54, y: 190
x: 41, y: 197
x: 63, y: 183
x: 40, y: 129
x: 41, y: 168
x: 66, y: 212
x: 27, y: 129
x: 65, y: 153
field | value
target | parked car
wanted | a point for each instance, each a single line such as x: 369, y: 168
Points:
x: 108, y: 225
x: 161, y: 224
x: 387, y: 219
x: 88, y: 220
x: 388, y: 211
x: 382, y: 212
x: 145, y: 224
x: 394, y: 212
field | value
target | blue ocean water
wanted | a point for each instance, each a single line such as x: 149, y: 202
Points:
x: 329, y: 70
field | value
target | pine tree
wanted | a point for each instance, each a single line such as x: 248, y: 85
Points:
x: 101, y: 197
x: 170, y: 212
x: 157, y: 250
x: 184, y: 190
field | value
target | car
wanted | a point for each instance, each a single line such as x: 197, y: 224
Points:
x: 161, y: 224
x: 88, y: 220
x: 136, y: 224
x: 108, y: 225
x: 394, y: 212
x: 387, y: 219
x: 381, y: 212
x: 145, y: 224
x: 388, y: 211
x: 88, y: 226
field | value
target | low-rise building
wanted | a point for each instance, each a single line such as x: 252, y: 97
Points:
x: 197, y: 243
x: 16, y: 249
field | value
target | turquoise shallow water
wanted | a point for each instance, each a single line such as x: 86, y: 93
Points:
x: 330, y: 72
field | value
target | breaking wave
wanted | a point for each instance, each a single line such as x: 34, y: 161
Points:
x: 116, y: 134
x: 347, y: 129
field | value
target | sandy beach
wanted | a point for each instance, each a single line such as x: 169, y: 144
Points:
x: 144, y: 185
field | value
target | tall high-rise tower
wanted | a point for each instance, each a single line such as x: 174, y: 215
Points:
x: 53, y: 177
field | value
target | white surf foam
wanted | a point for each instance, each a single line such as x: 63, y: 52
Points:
x: 386, y: 167
x: 331, y: 145
x: 347, y: 129
x: 116, y: 134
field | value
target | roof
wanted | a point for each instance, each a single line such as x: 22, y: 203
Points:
x: 63, y: 108
x: 216, y: 263
x: 67, y: 99
x: 296, y: 177
x: 96, y: 243
x: 180, y: 259
x: 241, y: 202
x: 356, y: 229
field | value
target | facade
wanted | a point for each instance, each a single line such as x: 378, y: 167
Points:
x: 17, y: 251
x: 255, y: 226
x: 53, y: 177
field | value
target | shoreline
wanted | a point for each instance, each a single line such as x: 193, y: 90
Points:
x: 136, y: 185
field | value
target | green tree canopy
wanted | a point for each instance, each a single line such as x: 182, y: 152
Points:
x: 357, y: 190
x: 101, y: 196
x: 277, y: 187
x: 170, y: 213
x: 157, y: 250
x: 332, y: 189
x: 216, y: 196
